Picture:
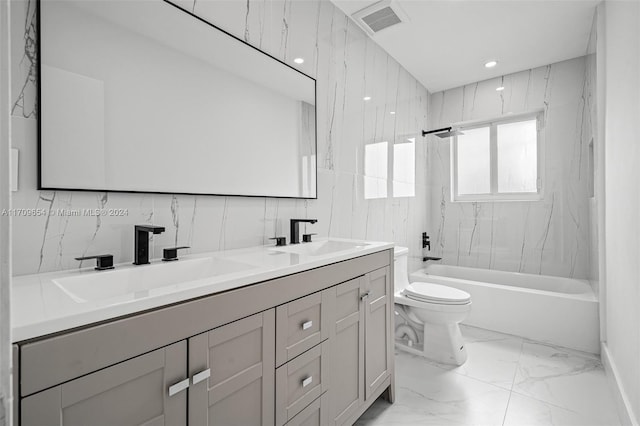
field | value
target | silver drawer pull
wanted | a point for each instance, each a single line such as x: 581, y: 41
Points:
x: 306, y: 382
x: 365, y: 295
x: 178, y: 387
x: 203, y: 375
x: 306, y: 325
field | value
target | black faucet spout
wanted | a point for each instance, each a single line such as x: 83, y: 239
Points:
x: 295, y: 229
x: 150, y: 228
x: 141, y: 242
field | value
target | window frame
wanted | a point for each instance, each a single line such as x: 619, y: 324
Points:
x: 390, y: 179
x: 494, y: 195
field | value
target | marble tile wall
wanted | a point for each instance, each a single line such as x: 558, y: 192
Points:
x: 548, y: 237
x: 347, y: 66
x: 594, y: 201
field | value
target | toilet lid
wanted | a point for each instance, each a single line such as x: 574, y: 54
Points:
x: 436, y: 293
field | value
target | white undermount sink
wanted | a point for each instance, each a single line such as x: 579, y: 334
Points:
x: 144, y: 280
x: 319, y: 248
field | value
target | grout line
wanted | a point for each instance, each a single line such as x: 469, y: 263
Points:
x: 547, y: 403
x: 506, y: 411
x: 451, y: 369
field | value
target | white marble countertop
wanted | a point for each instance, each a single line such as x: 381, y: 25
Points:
x: 40, y: 305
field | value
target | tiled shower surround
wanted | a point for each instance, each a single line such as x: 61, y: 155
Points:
x: 347, y: 65
x: 549, y: 236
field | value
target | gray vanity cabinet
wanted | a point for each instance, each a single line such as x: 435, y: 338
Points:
x: 227, y: 373
x: 378, y: 306
x: 133, y: 392
x: 346, y: 335
x: 232, y: 373
x: 361, y: 348
x: 311, y: 348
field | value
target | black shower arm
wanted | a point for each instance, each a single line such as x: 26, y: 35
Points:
x: 428, y: 132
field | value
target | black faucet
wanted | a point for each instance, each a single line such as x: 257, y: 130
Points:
x: 141, y: 248
x: 295, y: 229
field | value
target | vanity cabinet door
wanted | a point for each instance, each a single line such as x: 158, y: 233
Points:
x: 133, y: 392
x: 346, y: 335
x: 378, y: 333
x: 232, y: 370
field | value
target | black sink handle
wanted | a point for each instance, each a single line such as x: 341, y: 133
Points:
x: 103, y: 261
x: 171, y: 253
x: 306, y: 238
x: 280, y: 241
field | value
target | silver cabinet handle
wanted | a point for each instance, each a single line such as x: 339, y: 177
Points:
x: 306, y: 382
x: 178, y: 387
x: 365, y: 295
x: 306, y: 325
x: 198, y: 377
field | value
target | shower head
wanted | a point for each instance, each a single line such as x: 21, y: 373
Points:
x: 445, y: 132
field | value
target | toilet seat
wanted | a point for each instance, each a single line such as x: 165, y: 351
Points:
x: 437, y: 294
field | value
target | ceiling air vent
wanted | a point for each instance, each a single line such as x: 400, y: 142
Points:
x: 379, y: 16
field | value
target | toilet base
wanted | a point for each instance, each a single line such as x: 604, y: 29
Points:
x: 441, y: 343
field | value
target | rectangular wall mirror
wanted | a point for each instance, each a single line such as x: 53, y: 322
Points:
x: 142, y: 96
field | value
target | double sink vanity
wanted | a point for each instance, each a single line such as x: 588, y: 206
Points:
x: 298, y: 334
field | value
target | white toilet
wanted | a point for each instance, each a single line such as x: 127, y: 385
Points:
x: 428, y: 316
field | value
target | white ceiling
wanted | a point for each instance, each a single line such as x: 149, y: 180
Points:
x: 447, y: 42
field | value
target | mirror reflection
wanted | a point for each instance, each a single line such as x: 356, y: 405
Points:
x: 168, y: 104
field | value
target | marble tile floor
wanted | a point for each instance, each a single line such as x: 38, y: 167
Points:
x: 507, y: 380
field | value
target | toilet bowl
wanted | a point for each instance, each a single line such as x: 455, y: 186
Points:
x: 428, y: 316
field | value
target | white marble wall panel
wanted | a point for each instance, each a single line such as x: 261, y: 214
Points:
x: 591, y: 91
x: 550, y: 236
x: 347, y: 66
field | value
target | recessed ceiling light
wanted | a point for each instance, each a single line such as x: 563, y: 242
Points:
x: 299, y: 60
x: 392, y: 112
x: 499, y: 89
x: 491, y: 64
x: 367, y: 98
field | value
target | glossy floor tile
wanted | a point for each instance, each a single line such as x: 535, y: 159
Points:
x: 507, y: 380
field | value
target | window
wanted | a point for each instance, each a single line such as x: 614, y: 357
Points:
x: 390, y: 172
x: 498, y: 160
x: 404, y: 168
x: 375, y: 170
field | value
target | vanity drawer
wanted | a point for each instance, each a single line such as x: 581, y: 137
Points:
x: 316, y: 413
x: 300, y: 381
x: 300, y: 325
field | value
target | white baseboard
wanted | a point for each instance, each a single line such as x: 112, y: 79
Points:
x: 625, y: 410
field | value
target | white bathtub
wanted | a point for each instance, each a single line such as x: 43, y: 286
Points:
x: 561, y: 311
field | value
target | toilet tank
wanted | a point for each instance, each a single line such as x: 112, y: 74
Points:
x: 400, y: 269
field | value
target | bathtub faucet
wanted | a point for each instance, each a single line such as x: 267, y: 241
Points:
x: 425, y: 241
x: 424, y: 259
